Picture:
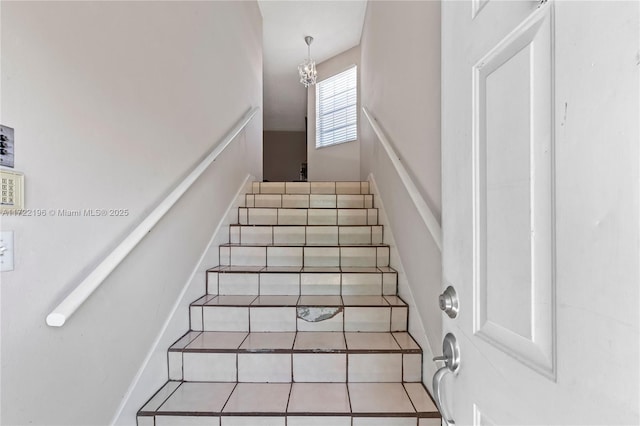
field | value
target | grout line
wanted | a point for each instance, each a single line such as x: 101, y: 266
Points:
x: 202, y: 314
x: 291, y: 371
x: 181, y: 365
x: 346, y: 347
x: 407, y: 394
x: 259, y: 284
x: 306, y: 238
x: 229, y: 397
x: 168, y: 366
x: 166, y: 399
x: 266, y: 257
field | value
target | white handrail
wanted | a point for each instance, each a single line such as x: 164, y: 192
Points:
x: 81, y: 293
x: 421, y: 205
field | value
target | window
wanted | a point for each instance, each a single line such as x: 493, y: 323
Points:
x: 337, y: 109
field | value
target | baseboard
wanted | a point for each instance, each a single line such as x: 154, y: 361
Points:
x: 416, y: 324
x: 153, y: 371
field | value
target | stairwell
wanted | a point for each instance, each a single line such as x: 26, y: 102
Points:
x: 301, y: 324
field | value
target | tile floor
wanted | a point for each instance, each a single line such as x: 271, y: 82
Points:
x: 301, y: 324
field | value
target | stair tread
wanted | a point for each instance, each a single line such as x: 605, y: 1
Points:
x: 301, y: 269
x: 308, y: 208
x: 299, y: 301
x: 305, y: 188
x: 289, y: 245
x: 296, y: 342
x: 392, y: 399
x: 245, y: 225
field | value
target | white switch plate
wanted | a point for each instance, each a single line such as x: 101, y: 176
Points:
x: 6, y: 255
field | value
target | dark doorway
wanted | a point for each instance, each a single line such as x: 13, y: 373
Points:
x: 283, y: 155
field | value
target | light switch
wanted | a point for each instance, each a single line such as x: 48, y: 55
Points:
x: 6, y: 251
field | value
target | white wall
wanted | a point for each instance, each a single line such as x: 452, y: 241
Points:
x: 416, y: 325
x: 401, y: 87
x: 112, y: 103
x: 400, y: 74
x: 338, y: 162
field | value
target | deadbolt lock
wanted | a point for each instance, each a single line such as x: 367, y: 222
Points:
x: 449, y: 302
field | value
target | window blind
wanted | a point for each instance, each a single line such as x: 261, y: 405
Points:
x: 336, y: 109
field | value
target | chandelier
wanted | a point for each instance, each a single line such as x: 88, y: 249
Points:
x: 307, y: 69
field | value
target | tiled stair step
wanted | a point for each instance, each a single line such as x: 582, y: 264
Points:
x: 234, y: 280
x: 304, y: 256
x: 304, y: 216
x: 306, y: 235
x: 349, y: 188
x: 318, y: 201
x: 298, y: 357
x: 290, y: 404
x: 298, y: 313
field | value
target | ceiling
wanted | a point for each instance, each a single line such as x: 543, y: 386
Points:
x: 336, y: 26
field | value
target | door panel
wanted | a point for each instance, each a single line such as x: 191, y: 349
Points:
x: 513, y: 195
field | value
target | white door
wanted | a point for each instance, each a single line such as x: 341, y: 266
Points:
x: 540, y: 210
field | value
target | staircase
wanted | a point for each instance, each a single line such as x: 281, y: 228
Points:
x: 301, y: 324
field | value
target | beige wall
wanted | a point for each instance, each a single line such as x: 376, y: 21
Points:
x: 400, y: 77
x: 401, y: 86
x: 283, y: 152
x: 112, y: 104
x: 338, y: 162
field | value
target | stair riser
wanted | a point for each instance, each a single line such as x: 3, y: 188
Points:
x: 318, y: 201
x: 295, y: 284
x: 310, y: 188
x: 299, y: 367
x: 309, y: 257
x: 276, y: 216
x: 301, y: 235
x: 280, y: 421
x: 240, y: 318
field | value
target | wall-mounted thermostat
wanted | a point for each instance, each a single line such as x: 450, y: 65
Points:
x: 6, y: 146
x: 12, y: 195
